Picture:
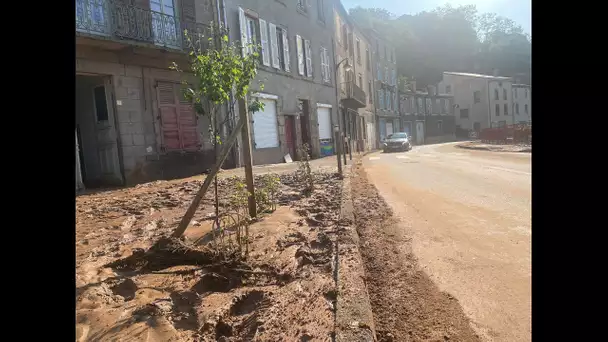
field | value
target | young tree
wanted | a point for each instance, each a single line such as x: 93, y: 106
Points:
x: 222, y: 73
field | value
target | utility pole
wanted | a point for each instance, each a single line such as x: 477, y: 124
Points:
x: 247, y: 160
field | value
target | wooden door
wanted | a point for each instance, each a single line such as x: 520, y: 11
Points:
x: 290, y: 135
x: 106, y: 132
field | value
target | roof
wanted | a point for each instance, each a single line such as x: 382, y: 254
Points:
x: 521, y: 85
x: 466, y: 74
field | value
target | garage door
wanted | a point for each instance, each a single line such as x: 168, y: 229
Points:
x: 323, y: 115
x: 265, y: 127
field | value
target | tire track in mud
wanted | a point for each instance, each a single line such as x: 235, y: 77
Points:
x: 406, y: 304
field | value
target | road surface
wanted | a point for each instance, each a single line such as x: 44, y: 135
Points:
x: 469, y: 216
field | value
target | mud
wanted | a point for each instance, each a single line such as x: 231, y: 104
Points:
x: 283, y: 290
x: 406, y: 304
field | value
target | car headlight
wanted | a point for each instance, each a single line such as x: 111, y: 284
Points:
x: 384, y: 144
x: 403, y: 143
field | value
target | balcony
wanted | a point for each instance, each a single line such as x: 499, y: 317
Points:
x: 355, y: 96
x: 117, y: 21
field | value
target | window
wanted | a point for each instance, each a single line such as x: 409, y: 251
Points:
x: 369, y: 91
x: 394, y: 77
x: 526, y: 108
x: 385, y: 54
x: 395, y: 102
x: 325, y: 68
x: 304, y: 56
x: 379, y: 69
x: 448, y: 89
x: 358, y: 51
x: 101, y: 105
x: 447, y: 106
x: 497, y: 109
x: 517, y: 108
x: 429, y: 105
x: 476, y: 126
x: 163, y: 22
x: 506, y: 109
x: 380, y: 99
x: 386, y: 79
x: 360, y: 81
x: 443, y: 106
x: 265, y: 127
x: 387, y: 99
x: 280, y: 47
x: 504, y: 94
x: 301, y: 5
x: 502, y: 123
x: 496, y: 97
x: 440, y: 127
x: 412, y: 105
x: 526, y: 93
x: 368, y: 60
x: 464, y: 113
x: 320, y: 11
x: 177, y: 118
x: 477, y: 97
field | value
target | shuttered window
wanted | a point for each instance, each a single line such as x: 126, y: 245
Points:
x: 177, y: 119
x: 308, y: 55
x: 286, y: 49
x: 325, y: 69
x: 300, y: 48
x: 274, y: 46
x: 264, y: 39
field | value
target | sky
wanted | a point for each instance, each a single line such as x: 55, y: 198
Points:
x: 518, y: 10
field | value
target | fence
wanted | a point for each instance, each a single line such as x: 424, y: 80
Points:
x: 513, y: 134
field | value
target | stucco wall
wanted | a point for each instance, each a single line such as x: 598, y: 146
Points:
x: 522, y: 100
x: 290, y: 86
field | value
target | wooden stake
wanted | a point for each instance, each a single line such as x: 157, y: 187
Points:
x: 183, y: 224
x: 247, y: 160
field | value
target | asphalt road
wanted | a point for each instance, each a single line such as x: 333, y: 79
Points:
x: 468, y: 214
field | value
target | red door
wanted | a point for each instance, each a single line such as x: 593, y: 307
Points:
x: 290, y: 135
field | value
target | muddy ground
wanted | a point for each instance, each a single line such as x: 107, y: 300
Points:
x: 477, y: 145
x: 186, y: 303
x: 406, y: 304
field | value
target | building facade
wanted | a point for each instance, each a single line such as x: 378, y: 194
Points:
x: 522, y: 106
x: 351, y: 75
x: 296, y: 70
x: 131, y: 122
x: 482, y: 101
x: 428, y: 117
x: 384, y: 67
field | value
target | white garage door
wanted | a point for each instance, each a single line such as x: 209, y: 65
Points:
x: 265, y: 127
x: 323, y: 115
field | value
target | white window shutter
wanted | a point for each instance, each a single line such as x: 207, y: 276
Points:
x: 243, y: 27
x: 327, y: 66
x: 300, y: 55
x: 308, y: 58
x: 286, y: 49
x: 324, y: 72
x: 274, y: 45
x: 264, y: 37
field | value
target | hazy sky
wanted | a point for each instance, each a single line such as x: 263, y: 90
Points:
x: 518, y: 10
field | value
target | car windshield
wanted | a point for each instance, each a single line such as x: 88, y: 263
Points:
x: 397, y: 136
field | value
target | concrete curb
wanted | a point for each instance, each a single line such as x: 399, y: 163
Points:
x: 354, y: 317
x: 489, y: 148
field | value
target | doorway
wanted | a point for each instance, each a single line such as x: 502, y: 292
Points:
x: 419, y: 132
x: 304, y: 111
x: 96, y: 132
x: 290, y: 136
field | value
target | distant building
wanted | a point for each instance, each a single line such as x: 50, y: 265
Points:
x: 522, y: 103
x: 428, y: 117
x: 481, y: 101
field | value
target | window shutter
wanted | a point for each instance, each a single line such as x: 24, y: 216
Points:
x: 308, y: 58
x: 380, y: 99
x: 300, y: 55
x: 188, y: 13
x: 322, y: 54
x: 169, y: 121
x: 286, y: 49
x: 327, y: 65
x: 274, y: 45
x: 187, y: 123
x: 264, y: 37
x: 243, y: 27
x: 395, y: 104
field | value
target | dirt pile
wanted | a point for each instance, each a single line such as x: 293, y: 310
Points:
x: 407, y: 306
x: 157, y: 288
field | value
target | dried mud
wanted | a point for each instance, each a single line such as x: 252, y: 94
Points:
x: 406, y: 304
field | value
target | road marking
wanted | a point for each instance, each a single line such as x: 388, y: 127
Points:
x: 403, y: 157
x: 509, y: 170
x: 374, y: 158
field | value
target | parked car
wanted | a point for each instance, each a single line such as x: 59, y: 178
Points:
x: 397, y: 142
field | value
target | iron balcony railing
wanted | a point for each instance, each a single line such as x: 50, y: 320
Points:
x: 354, y: 92
x: 118, y: 20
